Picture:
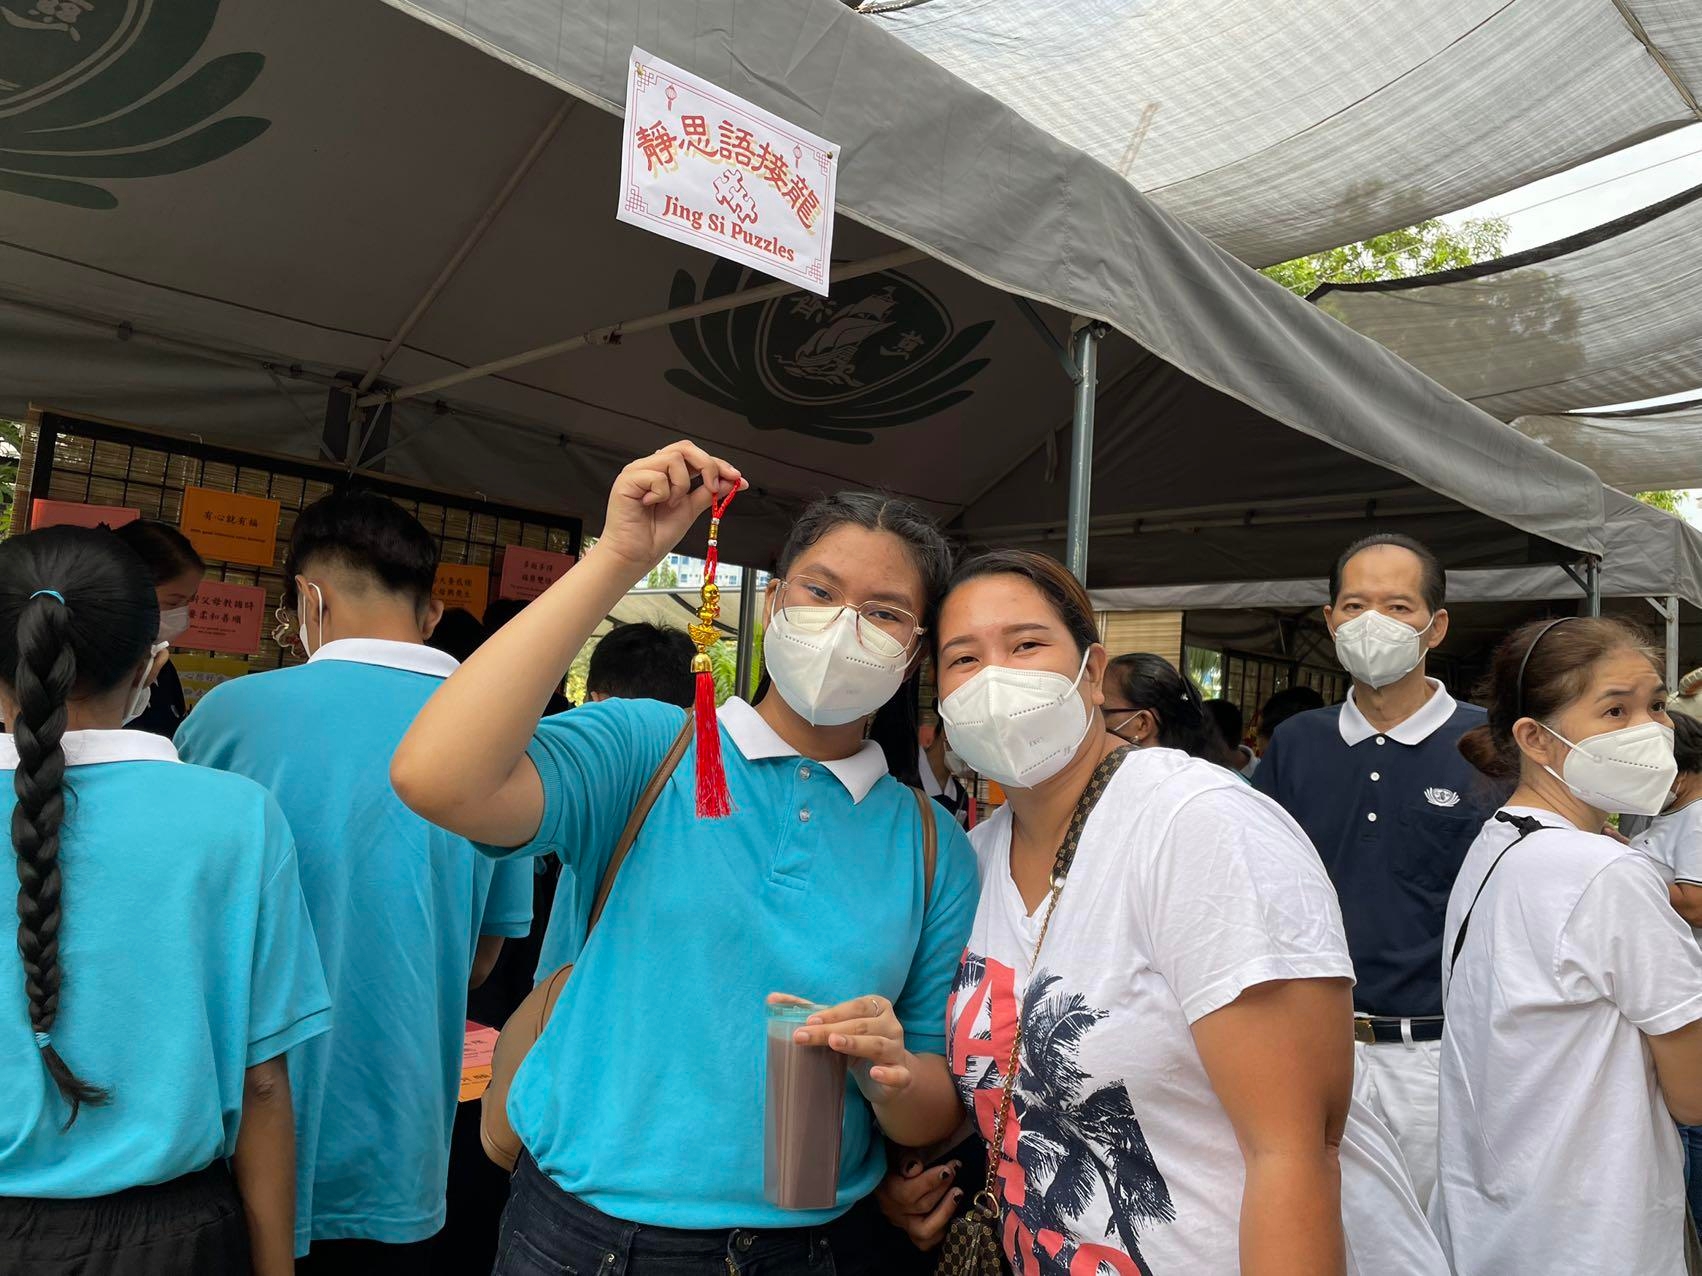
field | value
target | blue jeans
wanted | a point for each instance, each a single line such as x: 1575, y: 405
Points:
x: 547, y: 1232
x: 1691, y: 1137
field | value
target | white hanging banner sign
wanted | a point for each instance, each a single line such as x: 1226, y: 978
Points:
x: 709, y: 169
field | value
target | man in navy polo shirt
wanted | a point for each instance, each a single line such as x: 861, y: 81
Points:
x: 1380, y: 787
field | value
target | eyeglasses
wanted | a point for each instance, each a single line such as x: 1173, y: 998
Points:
x: 812, y: 605
x: 1124, y: 712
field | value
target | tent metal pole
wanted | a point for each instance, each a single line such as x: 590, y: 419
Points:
x: 747, y: 633
x: 1086, y: 341
x: 612, y: 333
x: 1668, y: 611
x: 470, y: 242
x: 1593, y: 585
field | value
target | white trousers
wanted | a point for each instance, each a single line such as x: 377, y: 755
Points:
x: 1400, y: 1081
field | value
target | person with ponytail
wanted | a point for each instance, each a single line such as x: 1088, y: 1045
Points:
x: 1151, y: 705
x: 164, y: 960
x: 1573, y: 990
x: 641, y: 1106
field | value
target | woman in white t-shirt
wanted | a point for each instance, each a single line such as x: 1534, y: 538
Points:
x: 1572, y: 990
x: 1186, y: 1040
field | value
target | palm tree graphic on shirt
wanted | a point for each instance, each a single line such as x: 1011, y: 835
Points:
x: 1072, y: 1143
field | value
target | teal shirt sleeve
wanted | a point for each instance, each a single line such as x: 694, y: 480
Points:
x: 593, y: 763
x: 289, y: 1003
x: 921, y: 1007
x: 508, y: 906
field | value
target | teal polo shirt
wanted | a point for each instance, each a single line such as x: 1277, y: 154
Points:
x: 398, y: 906
x: 644, y: 1096
x: 186, y: 957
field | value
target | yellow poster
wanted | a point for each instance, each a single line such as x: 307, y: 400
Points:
x: 230, y: 527
x: 200, y: 674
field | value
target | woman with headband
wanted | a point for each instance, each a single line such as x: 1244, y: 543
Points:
x: 1573, y: 991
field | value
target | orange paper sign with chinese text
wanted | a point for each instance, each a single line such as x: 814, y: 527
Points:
x: 463, y: 585
x: 476, y: 1052
x: 225, y: 617
x: 526, y: 573
x: 231, y: 527
x: 45, y: 513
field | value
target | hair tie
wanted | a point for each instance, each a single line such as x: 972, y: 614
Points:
x: 43, y: 1040
x: 50, y: 593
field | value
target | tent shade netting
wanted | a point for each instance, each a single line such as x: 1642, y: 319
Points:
x: 1282, y: 129
x: 1607, y: 316
x: 395, y: 192
x: 1637, y: 451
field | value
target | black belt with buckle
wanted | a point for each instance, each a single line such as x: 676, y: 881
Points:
x: 1378, y: 1030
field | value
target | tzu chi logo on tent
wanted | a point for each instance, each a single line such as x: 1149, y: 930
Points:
x: 709, y: 169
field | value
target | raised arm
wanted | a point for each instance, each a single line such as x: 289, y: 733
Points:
x: 463, y: 763
x: 1280, y: 1058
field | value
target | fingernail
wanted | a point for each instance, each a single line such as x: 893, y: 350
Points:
x: 957, y: 1194
x: 836, y: 1040
x: 801, y: 1037
x: 813, y: 1019
x: 945, y: 1174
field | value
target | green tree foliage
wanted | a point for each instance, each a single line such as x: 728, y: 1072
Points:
x: 662, y: 576
x: 1423, y: 249
x: 1667, y: 501
x: 11, y: 444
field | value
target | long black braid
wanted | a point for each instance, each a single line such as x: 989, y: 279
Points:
x: 47, y: 670
x: 78, y: 615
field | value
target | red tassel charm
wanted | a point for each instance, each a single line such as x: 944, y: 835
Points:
x: 713, y: 799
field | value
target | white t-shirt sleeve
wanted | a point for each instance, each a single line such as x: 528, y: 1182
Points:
x: 1623, y: 942
x: 1233, y: 896
x: 1686, y: 848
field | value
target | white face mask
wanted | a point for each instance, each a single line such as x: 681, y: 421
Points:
x: 1018, y: 726
x: 955, y: 763
x: 142, y: 695
x: 1377, y: 650
x: 174, y: 622
x: 828, y: 676
x: 1630, y: 771
x: 301, y: 626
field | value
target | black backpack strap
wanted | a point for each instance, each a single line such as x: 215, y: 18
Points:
x: 1526, y: 826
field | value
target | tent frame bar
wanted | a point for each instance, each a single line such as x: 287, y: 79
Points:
x: 1068, y: 364
x: 1086, y: 340
x: 611, y: 334
x: 468, y: 243
x: 1667, y: 610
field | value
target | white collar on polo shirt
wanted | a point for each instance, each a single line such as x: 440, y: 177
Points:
x: 87, y: 748
x: 1415, y: 730
x: 412, y: 657
x: 757, y: 740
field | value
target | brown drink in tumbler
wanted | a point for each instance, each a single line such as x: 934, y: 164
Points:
x: 805, y: 1114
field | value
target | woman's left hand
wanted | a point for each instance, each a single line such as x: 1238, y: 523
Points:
x: 866, y: 1030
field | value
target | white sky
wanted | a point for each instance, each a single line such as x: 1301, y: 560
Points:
x: 1598, y: 192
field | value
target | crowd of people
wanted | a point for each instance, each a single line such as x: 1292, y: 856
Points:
x: 1384, y: 991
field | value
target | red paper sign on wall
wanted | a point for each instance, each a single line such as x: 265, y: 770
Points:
x: 526, y: 573
x: 46, y: 513
x: 224, y: 617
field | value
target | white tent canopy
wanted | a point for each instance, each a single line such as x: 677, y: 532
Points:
x: 1607, y: 316
x: 344, y: 191
x: 1280, y: 129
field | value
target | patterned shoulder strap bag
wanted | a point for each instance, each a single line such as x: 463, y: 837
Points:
x: 972, y: 1245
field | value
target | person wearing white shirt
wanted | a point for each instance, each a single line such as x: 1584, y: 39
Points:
x: 1674, y: 842
x: 1154, y: 1033
x: 1573, y: 990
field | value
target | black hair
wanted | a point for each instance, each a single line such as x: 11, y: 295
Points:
x: 1062, y: 590
x: 366, y: 533
x: 501, y: 611
x: 1537, y: 671
x: 78, y: 616
x: 1686, y: 742
x: 1285, y: 704
x: 1433, y: 581
x: 1231, y: 724
x: 1149, y: 682
x: 643, y: 662
x: 458, y: 633
x: 897, y: 723
x: 165, y: 551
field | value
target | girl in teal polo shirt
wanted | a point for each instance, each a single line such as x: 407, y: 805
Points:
x: 641, y: 1106
x: 164, y: 960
